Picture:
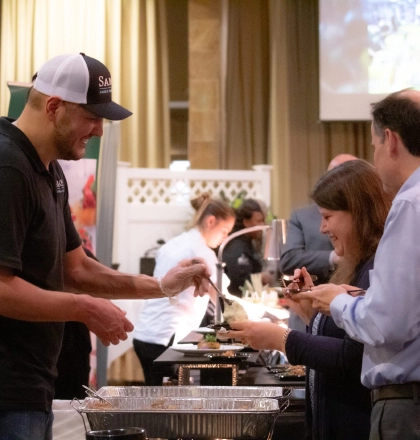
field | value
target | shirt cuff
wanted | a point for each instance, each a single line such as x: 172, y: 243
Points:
x: 338, y: 306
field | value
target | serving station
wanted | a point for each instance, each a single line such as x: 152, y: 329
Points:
x: 186, y: 412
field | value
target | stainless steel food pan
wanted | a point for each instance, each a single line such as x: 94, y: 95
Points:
x: 168, y: 417
x: 192, y: 391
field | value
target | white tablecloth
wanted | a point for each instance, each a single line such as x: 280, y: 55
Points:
x: 68, y: 423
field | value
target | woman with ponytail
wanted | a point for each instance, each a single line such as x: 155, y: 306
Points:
x: 161, y: 323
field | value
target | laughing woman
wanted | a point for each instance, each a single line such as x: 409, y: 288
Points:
x: 354, y: 208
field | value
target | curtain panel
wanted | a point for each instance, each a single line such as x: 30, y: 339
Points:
x: 129, y: 36
x: 271, y: 99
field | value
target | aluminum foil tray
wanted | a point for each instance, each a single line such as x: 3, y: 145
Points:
x: 170, y: 417
x: 192, y: 391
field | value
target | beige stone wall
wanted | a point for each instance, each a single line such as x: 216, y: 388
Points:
x: 204, y: 20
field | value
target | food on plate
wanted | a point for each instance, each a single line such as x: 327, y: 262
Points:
x: 234, y: 312
x: 209, y: 342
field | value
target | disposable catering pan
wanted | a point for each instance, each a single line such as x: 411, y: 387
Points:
x: 220, y: 392
x: 172, y: 417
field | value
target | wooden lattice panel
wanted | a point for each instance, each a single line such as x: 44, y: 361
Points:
x: 180, y: 191
x: 154, y: 204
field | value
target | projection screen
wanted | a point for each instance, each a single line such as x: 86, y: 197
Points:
x: 367, y: 49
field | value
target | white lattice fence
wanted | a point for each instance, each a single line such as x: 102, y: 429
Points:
x: 154, y: 204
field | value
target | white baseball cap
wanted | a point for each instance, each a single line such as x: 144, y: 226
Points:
x: 80, y: 79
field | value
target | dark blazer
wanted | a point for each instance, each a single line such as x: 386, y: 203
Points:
x: 342, y: 404
x: 306, y: 245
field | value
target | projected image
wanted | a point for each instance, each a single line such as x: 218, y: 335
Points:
x: 369, y: 46
x: 394, y: 49
x: 344, y: 47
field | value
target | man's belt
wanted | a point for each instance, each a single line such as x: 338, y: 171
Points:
x: 410, y: 390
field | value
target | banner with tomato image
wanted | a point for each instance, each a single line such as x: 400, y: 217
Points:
x: 81, y: 180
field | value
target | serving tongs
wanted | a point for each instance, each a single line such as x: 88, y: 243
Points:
x: 91, y: 392
x: 222, y: 297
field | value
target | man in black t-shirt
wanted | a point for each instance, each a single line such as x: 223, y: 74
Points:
x: 41, y: 257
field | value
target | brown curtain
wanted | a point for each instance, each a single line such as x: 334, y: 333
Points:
x: 300, y: 146
x: 247, y: 85
x: 271, y: 99
x: 129, y: 36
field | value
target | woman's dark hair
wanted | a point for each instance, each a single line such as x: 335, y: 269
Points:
x: 400, y: 114
x: 355, y: 187
x: 245, y: 212
x: 204, y: 206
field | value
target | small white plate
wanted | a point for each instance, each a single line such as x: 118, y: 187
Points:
x: 203, y: 330
x: 191, y: 349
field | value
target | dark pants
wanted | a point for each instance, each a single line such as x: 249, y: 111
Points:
x: 147, y: 353
x: 26, y: 425
x: 395, y: 419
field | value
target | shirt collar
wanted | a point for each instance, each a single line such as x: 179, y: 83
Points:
x: 410, y: 182
x: 22, y: 141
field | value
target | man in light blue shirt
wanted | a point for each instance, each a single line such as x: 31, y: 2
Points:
x: 387, y: 318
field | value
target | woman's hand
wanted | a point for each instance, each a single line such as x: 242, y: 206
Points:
x: 302, y: 279
x: 259, y: 335
x: 303, y: 308
x: 321, y: 296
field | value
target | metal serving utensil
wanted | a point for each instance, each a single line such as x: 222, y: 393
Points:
x: 294, y: 291
x: 285, y: 280
x: 222, y: 297
x: 91, y: 392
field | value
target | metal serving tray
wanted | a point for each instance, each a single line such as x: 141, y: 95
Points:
x: 192, y: 391
x: 171, y: 417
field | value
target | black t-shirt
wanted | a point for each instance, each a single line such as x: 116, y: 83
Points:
x: 36, y: 230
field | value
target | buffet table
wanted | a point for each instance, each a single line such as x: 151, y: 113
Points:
x: 124, y: 366
x: 212, y: 372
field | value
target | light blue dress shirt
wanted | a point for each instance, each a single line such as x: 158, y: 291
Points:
x: 387, y: 318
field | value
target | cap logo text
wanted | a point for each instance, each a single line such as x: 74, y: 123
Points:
x: 104, y: 82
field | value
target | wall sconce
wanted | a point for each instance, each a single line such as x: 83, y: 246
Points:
x: 274, y: 240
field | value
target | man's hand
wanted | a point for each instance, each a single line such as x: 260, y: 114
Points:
x: 321, y: 296
x: 188, y: 272
x: 104, y: 319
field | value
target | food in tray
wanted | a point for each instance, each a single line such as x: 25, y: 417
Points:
x: 297, y: 370
x: 291, y: 372
x: 234, y: 312
x: 209, y: 342
x: 228, y: 353
x: 101, y: 404
x: 287, y: 369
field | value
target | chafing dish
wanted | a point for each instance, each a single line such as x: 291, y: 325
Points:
x: 191, y: 391
x: 182, y: 417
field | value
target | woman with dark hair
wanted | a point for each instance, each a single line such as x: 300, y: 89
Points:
x: 161, y: 323
x: 241, y: 254
x: 353, y: 207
